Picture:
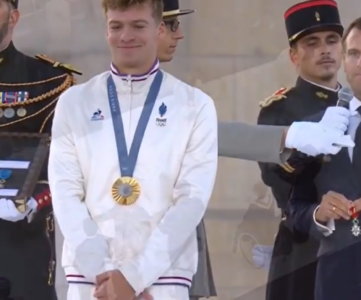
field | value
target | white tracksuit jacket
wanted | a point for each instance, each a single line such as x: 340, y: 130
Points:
x: 152, y: 242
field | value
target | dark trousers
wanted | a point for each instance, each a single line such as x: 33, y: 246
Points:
x: 338, y: 274
x: 293, y: 266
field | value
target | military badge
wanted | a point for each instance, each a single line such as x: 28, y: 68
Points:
x: 278, y: 95
x: 321, y: 95
x: 317, y: 16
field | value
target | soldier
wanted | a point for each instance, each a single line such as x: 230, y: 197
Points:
x: 29, y: 90
x: 314, y: 32
x: 203, y: 284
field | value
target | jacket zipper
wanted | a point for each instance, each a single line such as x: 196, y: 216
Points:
x: 52, y: 263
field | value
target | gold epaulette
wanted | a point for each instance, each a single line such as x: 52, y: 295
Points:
x: 56, y: 64
x: 278, y: 95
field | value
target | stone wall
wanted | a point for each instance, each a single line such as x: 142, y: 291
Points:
x: 236, y: 51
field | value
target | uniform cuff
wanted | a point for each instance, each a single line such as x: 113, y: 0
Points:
x: 325, y: 230
x: 43, y: 199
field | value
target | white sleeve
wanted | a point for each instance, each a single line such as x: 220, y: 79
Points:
x: 191, y: 195
x: 66, y: 182
x: 326, y: 230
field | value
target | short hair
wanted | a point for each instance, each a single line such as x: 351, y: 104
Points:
x: 355, y: 24
x: 8, y: 4
x: 156, y: 5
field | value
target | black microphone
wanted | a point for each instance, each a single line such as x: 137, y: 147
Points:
x: 345, y: 96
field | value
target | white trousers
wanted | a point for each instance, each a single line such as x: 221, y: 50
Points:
x: 158, y: 292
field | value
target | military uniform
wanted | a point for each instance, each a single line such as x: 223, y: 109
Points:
x: 294, y: 259
x: 29, y: 90
x: 203, y: 285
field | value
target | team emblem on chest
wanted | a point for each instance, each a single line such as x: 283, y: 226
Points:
x: 161, y: 121
x: 15, y: 98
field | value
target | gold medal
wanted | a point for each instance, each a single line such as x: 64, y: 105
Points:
x: 21, y: 112
x: 126, y: 191
x: 1, y: 113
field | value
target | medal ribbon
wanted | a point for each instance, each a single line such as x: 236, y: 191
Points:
x: 354, y: 214
x: 356, y: 230
x: 127, y: 162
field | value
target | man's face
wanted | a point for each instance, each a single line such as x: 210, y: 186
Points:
x: 318, y: 55
x: 132, y: 35
x: 352, y: 60
x: 4, y: 19
x: 168, y: 42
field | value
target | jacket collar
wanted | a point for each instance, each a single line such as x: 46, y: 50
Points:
x: 7, y: 54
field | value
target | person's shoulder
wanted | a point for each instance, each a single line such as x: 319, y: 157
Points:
x: 42, y: 67
x: 276, y: 107
x: 279, y: 98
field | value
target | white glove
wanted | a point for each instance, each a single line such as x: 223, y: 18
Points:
x: 313, y: 139
x: 9, y: 212
x: 336, y: 119
x: 262, y: 256
x: 325, y: 137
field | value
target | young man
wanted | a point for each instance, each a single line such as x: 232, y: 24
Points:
x: 132, y: 216
x: 314, y: 32
x: 29, y: 90
x: 168, y: 42
x: 203, y: 283
x: 334, y: 216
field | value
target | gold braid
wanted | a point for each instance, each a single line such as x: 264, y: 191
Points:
x: 35, y: 82
x: 31, y: 116
x: 68, y: 82
x: 47, y: 118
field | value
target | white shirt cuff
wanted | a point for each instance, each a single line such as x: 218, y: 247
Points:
x: 325, y: 230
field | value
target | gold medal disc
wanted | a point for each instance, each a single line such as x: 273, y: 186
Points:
x: 126, y: 191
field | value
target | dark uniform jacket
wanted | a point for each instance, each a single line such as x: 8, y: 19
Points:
x: 292, y: 269
x: 338, y: 276
x: 29, y: 89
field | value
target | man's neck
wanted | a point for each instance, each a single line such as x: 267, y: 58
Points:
x: 136, y: 70
x: 329, y: 84
x: 5, y: 43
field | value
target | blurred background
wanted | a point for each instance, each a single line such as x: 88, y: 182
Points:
x: 234, y: 50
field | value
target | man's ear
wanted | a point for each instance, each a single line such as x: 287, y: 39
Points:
x: 14, y: 18
x: 293, y: 55
x: 162, y: 29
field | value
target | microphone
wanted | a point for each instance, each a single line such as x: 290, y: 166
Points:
x: 345, y: 95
